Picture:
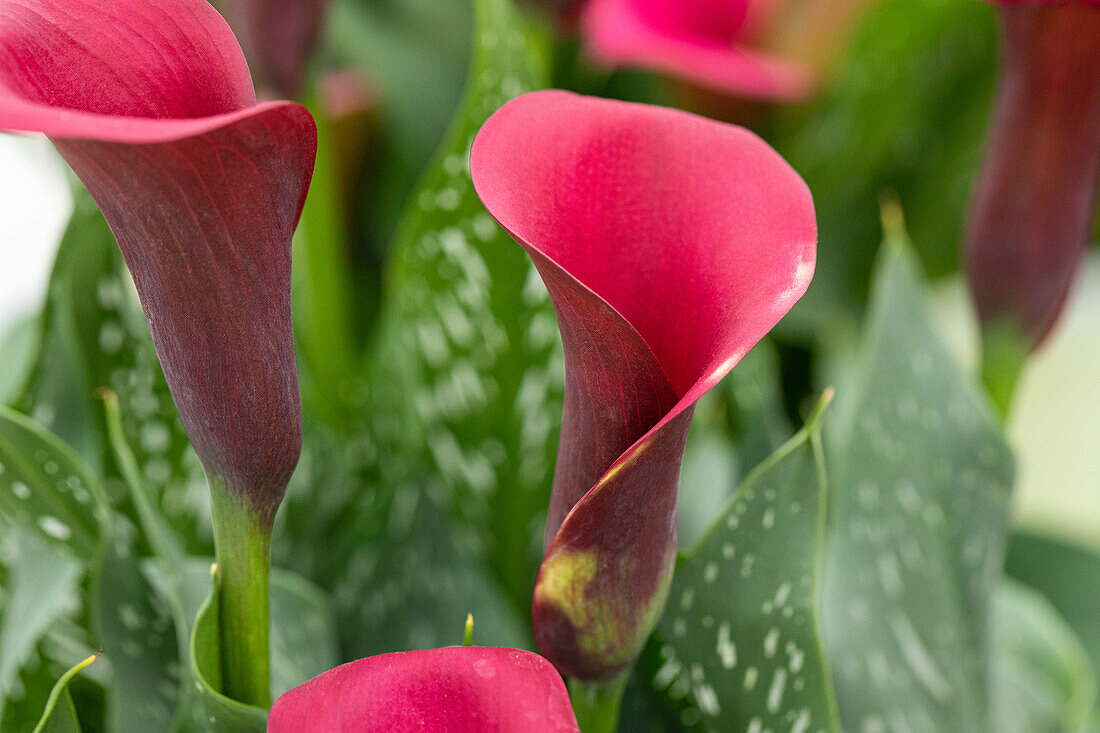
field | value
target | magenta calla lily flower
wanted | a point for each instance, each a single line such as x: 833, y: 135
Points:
x: 152, y: 105
x: 453, y: 690
x: 1032, y: 212
x: 701, y: 41
x: 670, y: 244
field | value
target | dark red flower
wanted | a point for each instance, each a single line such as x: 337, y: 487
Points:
x: 670, y: 244
x: 152, y: 105
x: 454, y: 690
x: 701, y: 41
x: 1032, y: 212
x: 278, y: 36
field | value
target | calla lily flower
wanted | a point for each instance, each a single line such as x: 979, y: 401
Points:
x: 152, y: 105
x: 670, y: 244
x: 701, y: 41
x: 1032, y: 212
x: 278, y: 37
x: 453, y: 690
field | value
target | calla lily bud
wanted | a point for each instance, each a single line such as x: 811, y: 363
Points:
x: 458, y: 690
x: 670, y: 244
x: 278, y: 37
x: 152, y: 105
x: 706, y: 42
x: 1032, y: 212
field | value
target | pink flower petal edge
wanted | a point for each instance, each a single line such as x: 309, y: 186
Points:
x: 670, y: 244
x: 453, y: 690
x: 696, y: 41
x: 152, y: 105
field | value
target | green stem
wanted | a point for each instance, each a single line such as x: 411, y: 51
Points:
x: 597, y: 704
x: 242, y: 546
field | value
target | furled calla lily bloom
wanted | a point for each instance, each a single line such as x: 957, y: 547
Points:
x: 1032, y: 212
x: 152, y: 105
x: 702, y: 41
x: 670, y: 244
x: 454, y: 690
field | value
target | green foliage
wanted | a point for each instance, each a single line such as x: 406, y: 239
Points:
x: 30, y: 607
x: 741, y: 633
x: 60, y: 713
x: 462, y: 392
x: 906, y: 112
x: 47, y: 488
x: 922, y: 478
x: 1043, y: 679
x: 93, y: 335
x: 1057, y: 569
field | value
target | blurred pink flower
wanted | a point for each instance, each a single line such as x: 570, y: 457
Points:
x: 706, y: 42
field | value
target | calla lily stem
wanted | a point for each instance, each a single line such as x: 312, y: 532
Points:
x: 597, y: 704
x: 242, y: 545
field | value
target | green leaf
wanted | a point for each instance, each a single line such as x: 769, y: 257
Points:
x: 60, y: 713
x: 466, y: 378
x: 1056, y: 568
x: 921, y: 484
x: 135, y: 627
x: 469, y: 351
x: 94, y: 335
x: 1043, y: 679
x: 31, y: 606
x: 736, y: 426
x: 907, y: 111
x: 47, y: 488
x: 303, y: 632
x: 742, y: 629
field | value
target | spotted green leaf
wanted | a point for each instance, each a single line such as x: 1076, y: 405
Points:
x: 135, y: 627
x: 465, y: 384
x: 473, y: 347
x: 60, y: 713
x: 47, y: 488
x: 1043, y: 679
x: 741, y: 633
x: 93, y: 335
x: 921, y: 479
x: 30, y: 608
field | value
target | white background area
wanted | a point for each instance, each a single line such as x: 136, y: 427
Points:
x: 1054, y: 425
x: 34, y: 206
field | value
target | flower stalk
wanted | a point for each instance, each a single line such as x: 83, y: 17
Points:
x: 597, y: 704
x: 242, y: 546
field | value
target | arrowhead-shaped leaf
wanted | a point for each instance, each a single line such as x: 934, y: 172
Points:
x: 742, y: 633
x: 921, y: 479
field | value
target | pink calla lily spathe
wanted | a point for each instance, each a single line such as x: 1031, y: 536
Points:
x: 700, y: 41
x: 1032, y: 212
x: 670, y: 244
x: 453, y: 690
x: 152, y: 105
